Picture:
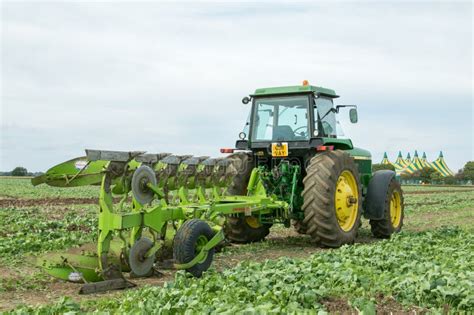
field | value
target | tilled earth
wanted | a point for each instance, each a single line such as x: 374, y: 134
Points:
x: 281, y: 242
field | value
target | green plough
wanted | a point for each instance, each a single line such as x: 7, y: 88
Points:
x: 151, y: 204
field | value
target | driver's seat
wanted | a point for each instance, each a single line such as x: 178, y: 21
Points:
x: 283, y: 132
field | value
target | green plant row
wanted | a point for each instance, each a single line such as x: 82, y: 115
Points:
x: 442, y: 202
x: 34, y: 231
x: 432, y: 270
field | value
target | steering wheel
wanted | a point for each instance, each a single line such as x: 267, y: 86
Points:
x: 300, y: 134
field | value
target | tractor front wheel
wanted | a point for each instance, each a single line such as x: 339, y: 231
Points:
x: 332, y: 199
x: 392, y: 221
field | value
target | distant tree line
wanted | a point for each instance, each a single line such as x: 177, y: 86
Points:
x: 430, y: 176
x: 379, y: 167
x: 20, y: 171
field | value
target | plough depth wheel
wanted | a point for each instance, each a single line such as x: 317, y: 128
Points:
x: 191, y: 237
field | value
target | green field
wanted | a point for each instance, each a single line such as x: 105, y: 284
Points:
x: 427, y: 267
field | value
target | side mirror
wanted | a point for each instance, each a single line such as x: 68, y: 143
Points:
x: 353, y: 115
x: 246, y: 100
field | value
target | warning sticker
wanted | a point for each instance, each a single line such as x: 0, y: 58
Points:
x: 79, y: 165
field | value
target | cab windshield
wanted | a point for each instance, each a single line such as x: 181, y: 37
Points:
x: 281, y: 119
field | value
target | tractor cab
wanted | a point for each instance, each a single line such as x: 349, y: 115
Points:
x: 291, y: 117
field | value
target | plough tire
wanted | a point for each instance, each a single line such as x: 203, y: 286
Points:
x: 190, y: 236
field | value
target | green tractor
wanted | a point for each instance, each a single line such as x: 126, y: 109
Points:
x: 289, y: 167
x: 296, y: 126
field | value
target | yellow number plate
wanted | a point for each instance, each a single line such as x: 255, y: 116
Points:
x: 280, y: 149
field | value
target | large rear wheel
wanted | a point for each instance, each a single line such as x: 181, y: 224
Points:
x: 300, y: 227
x: 243, y: 164
x: 243, y: 229
x: 332, y: 199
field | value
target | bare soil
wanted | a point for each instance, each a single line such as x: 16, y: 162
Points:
x: 55, y: 289
x: 18, y: 202
x: 388, y: 305
x: 383, y: 305
x: 58, y: 201
x: 338, y: 306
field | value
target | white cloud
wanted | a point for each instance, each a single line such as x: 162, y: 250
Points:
x: 169, y: 77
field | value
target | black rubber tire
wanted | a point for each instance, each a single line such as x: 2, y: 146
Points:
x: 236, y: 229
x: 184, y: 245
x: 243, y: 163
x: 319, y: 190
x: 384, y: 228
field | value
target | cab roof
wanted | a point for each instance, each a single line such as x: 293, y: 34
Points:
x: 295, y: 89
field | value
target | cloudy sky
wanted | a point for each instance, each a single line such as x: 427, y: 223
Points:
x: 169, y: 77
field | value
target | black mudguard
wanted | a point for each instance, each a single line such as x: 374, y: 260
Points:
x: 374, y: 203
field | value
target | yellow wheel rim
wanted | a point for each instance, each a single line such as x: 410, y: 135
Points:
x: 346, y: 200
x: 253, y: 222
x: 395, y: 209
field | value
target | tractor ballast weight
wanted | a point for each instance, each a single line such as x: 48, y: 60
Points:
x: 291, y: 168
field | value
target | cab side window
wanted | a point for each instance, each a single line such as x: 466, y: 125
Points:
x: 328, y: 123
